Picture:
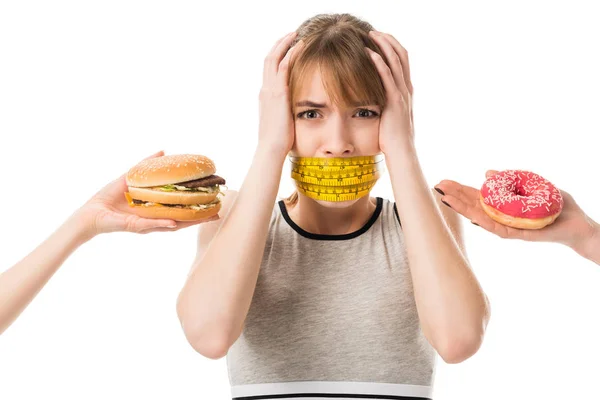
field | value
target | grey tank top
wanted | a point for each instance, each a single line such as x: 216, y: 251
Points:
x: 333, y: 316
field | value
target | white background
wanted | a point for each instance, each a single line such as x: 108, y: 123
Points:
x: 87, y: 89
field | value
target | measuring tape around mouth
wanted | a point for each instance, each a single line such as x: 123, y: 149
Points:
x: 336, y: 161
x: 332, y: 193
x: 336, y: 179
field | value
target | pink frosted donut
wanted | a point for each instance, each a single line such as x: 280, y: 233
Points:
x: 520, y: 199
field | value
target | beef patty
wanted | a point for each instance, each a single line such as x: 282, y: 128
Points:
x: 203, y: 182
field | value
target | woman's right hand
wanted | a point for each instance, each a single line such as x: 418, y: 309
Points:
x: 276, y: 124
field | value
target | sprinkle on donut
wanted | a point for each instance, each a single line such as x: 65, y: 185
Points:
x: 522, y: 194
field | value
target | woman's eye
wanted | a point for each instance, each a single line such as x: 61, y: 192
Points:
x: 373, y: 113
x: 307, y: 112
x: 363, y: 112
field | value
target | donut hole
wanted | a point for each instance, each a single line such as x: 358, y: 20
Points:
x: 520, y: 190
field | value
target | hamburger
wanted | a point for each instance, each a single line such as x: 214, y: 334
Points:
x: 181, y: 187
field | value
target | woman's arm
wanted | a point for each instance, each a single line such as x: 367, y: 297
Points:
x: 214, y: 302
x: 453, y: 310
x: 22, y: 282
x: 452, y: 307
x: 216, y: 297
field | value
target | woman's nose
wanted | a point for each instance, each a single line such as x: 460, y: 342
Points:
x: 338, y: 140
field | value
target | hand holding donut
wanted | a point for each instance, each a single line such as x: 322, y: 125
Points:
x: 572, y: 227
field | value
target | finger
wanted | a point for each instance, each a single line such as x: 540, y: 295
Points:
x: 464, y: 208
x: 274, y: 57
x: 185, y: 224
x: 392, y: 60
x: 283, y: 69
x: 477, y: 216
x: 158, y: 154
x: 403, y: 54
x: 179, y: 225
x: 506, y: 232
x: 385, y: 73
x: 490, y: 172
x: 151, y: 230
x: 465, y: 193
x: 480, y: 218
x: 144, y: 224
x: 279, y: 41
x: 465, y: 200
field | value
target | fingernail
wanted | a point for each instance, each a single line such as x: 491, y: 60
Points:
x: 446, y: 203
x: 474, y: 223
x: 440, y: 191
x: 171, y: 226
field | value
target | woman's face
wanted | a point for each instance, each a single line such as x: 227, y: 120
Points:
x: 323, y: 130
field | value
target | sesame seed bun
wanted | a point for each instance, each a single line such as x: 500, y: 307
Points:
x: 170, y: 169
x: 148, y: 200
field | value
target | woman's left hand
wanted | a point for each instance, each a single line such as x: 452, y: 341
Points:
x: 396, y: 123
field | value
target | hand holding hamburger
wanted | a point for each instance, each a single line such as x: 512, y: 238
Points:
x: 180, y: 187
x: 109, y: 211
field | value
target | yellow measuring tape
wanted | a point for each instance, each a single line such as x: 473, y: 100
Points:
x: 336, y: 179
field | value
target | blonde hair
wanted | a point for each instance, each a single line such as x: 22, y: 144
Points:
x: 334, y: 43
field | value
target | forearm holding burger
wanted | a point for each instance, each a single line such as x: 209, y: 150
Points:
x: 22, y: 282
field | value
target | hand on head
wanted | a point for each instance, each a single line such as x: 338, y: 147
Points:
x: 276, y: 123
x: 109, y: 211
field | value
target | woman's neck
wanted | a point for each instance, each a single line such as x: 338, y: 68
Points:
x: 315, y: 218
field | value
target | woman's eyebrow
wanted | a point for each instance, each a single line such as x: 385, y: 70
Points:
x: 308, y: 103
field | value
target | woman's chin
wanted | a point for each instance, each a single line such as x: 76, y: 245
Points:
x: 336, y: 204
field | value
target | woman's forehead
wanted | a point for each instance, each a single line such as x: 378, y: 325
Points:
x: 320, y: 85
x: 312, y: 85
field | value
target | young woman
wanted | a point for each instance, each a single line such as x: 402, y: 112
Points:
x: 107, y: 211
x: 573, y: 227
x: 329, y: 298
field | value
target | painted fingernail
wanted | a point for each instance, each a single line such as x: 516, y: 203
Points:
x: 474, y: 223
x: 440, y: 191
x: 446, y: 203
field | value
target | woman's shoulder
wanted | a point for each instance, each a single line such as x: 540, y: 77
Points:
x: 389, y: 209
